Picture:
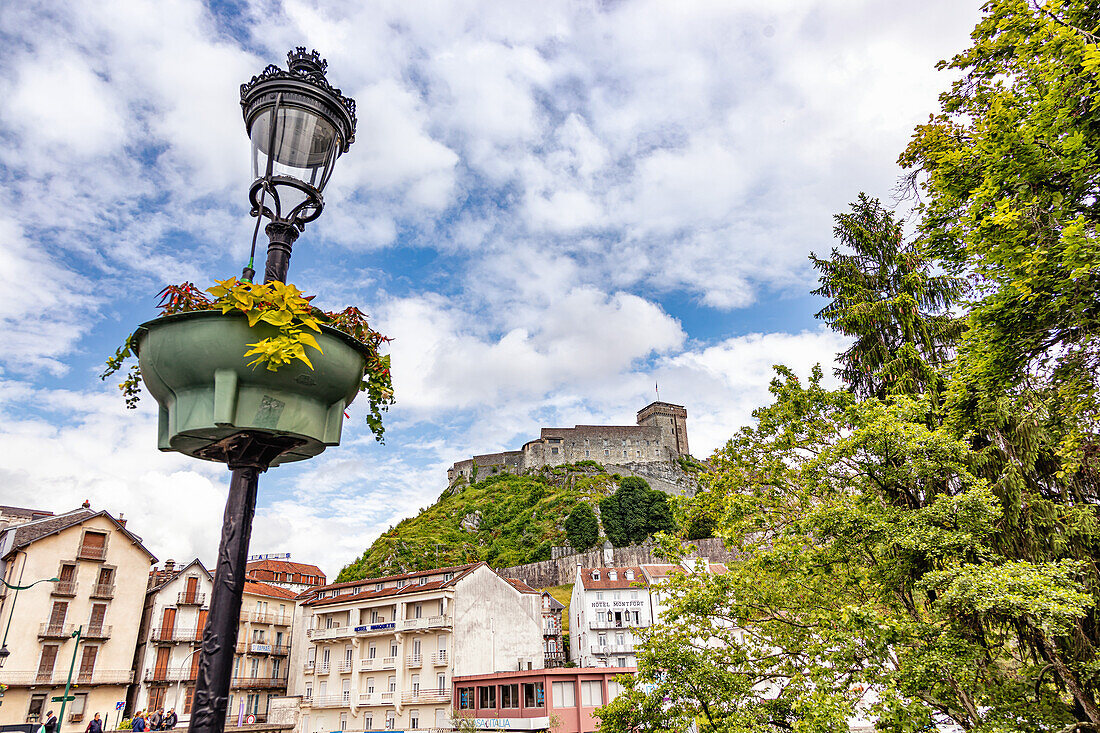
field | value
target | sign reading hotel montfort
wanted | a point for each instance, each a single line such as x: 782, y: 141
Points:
x: 660, y: 435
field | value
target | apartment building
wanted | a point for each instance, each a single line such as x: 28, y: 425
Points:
x: 260, y: 668
x: 101, y: 569
x: 380, y: 654
x: 553, y: 640
x: 296, y: 576
x: 177, y: 601
x: 562, y: 700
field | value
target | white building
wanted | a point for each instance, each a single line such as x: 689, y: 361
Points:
x: 167, y: 660
x: 381, y: 654
x: 607, y: 606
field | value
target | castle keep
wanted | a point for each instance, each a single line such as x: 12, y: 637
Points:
x: 659, y: 436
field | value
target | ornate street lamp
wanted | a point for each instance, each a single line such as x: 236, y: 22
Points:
x: 4, y: 653
x: 299, y: 124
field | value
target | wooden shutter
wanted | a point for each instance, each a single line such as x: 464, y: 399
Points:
x: 195, y: 659
x: 87, y: 663
x: 187, y: 699
x: 160, y: 671
x: 202, y: 625
x: 68, y: 573
x: 168, y: 624
x: 94, y: 546
x: 46, y: 661
x: 99, y: 610
x: 57, y: 614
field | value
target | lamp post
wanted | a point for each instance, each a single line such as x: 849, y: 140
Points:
x: 4, y: 653
x: 69, y: 679
x: 299, y: 124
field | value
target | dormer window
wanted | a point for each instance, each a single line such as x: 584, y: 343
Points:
x: 630, y: 575
x: 423, y: 579
x: 612, y: 575
x: 402, y: 583
x: 448, y: 576
x: 378, y: 586
x: 595, y: 575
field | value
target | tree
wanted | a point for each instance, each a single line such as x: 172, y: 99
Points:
x: 582, y: 529
x: 635, y: 512
x: 885, y: 296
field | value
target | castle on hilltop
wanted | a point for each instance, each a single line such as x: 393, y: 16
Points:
x: 660, y: 436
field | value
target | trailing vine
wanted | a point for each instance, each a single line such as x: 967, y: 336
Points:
x: 292, y: 314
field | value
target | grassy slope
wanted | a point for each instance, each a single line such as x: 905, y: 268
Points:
x: 521, y: 517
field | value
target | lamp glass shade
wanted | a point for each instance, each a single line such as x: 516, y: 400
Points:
x: 305, y: 145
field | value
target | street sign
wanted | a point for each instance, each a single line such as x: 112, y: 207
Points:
x: 120, y: 705
x: 64, y: 698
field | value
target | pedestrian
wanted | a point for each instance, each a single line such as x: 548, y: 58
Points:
x: 171, y: 719
x: 51, y: 722
x: 138, y: 723
x: 155, y: 720
x: 95, y: 725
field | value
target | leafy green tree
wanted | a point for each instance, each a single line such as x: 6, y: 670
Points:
x: 886, y: 297
x: 582, y: 528
x: 635, y: 512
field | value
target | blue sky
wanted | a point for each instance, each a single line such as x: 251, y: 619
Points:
x: 549, y: 206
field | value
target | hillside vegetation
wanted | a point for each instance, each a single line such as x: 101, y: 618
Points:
x: 504, y: 520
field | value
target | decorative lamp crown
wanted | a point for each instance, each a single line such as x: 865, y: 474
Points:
x: 300, y: 62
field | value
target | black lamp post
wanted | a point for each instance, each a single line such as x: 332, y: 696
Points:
x: 299, y: 124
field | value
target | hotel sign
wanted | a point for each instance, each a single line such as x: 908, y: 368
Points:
x: 376, y: 627
x: 261, y: 648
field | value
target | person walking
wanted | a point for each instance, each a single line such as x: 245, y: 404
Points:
x: 155, y: 720
x: 95, y: 725
x: 171, y: 719
x: 138, y: 723
x: 51, y: 723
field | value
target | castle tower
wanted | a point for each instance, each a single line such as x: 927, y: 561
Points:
x: 672, y: 420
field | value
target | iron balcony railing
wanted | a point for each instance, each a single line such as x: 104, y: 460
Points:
x: 64, y: 588
x: 89, y: 552
x: 257, y: 682
x: 185, y: 598
x: 170, y: 675
x: 56, y: 678
x: 172, y: 635
x: 51, y: 630
x: 426, y: 696
x: 97, y: 632
x: 103, y: 590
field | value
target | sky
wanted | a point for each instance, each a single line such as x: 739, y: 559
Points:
x: 552, y: 208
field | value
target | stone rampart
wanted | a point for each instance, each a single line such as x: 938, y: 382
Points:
x: 562, y: 570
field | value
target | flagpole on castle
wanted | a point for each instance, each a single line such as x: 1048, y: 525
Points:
x: 658, y: 391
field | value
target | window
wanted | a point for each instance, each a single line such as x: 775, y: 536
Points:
x: 393, y: 648
x: 599, y: 594
x: 564, y: 695
x: 509, y: 696
x: 414, y: 719
x: 607, y: 452
x: 93, y: 546
x: 372, y: 651
x: 614, y: 689
x: 587, y: 453
x: 553, y: 451
x: 601, y: 639
x: 595, y: 575
x: 370, y: 685
x: 378, y: 586
x: 423, y: 579
x: 390, y: 719
x: 619, y: 638
x: 465, y: 698
x: 309, y: 692
x: 79, y: 704
x: 416, y: 685
x: 592, y: 694
x: 417, y: 610
x: 34, y: 710
x: 368, y: 721
x: 613, y: 575
x: 46, y: 662
x: 633, y: 593
x: 620, y: 661
x: 391, y: 682
x: 345, y: 691
x: 616, y: 595
x: 441, y: 683
x: 630, y: 576
x: 402, y: 583
x: 487, y: 697
x: 343, y: 721
x: 448, y: 576
x: 533, y: 695
x: 188, y: 696
x: 374, y: 617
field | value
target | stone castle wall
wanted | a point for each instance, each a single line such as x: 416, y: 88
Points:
x: 562, y: 570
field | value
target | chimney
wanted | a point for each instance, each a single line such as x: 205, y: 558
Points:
x: 86, y: 505
x: 169, y: 565
x: 122, y: 520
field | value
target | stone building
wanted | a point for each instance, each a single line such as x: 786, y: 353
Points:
x: 102, y: 569
x: 260, y: 667
x: 296, y: 576
x: 660, y: 435
x: 382, y: 653
x: 177, y: 601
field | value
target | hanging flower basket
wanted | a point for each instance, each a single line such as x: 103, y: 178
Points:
x: 193, y: 365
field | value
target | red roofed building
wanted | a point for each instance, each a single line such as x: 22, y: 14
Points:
x: 296, y: 576
x: 260, y: 666
x: 381, y: 653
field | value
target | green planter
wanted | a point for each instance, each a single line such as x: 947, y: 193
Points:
x: 194, y: 366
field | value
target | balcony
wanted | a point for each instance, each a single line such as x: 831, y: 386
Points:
x: 417, y: 697
x: 605, y: 625
x: 97, y: 632
x: 439, y: 659
x: 387, y: 697
x: 612, y: 648
x: 414, y: 660
x: 308, y: 667
x: 345, y: 666
x: 369, y: 698
x: 262, y: 617
x: 89, y: 552
x: 55, y: 631
x: 389, y: 663
x: 170, y: 675
x: 265, y: 683
x: 430, y: 622
x: 172, y: 635
x: 64, y: 588
x: 336, y: 632
x: 332, y: 701
x: 552, y: 660
x: 366, y: 665
x: 56, y: 678
x: 103, y: 590
x: 280, y: 650
x: 323, y: 668
x: 185, y: 598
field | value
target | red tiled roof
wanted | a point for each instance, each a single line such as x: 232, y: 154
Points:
x: 264, y: 589
x: 363, y: 593
x: 286, y: 566
x: 520, y: 585
x: 621, y: 581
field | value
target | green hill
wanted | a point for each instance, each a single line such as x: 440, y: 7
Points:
x: 504, y: 520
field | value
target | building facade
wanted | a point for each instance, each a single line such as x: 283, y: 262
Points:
x: 260, y: 666
x: 167, y: 657
x: 608, y: 605
x: 553, y: 640
x: 561, y: 700
x: 102, y: 569
x: 381, y: 654
x: 295, y: 576
x: 660, y: 435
